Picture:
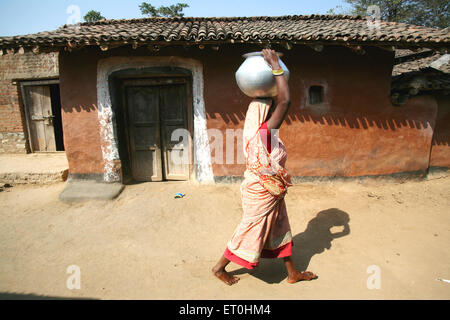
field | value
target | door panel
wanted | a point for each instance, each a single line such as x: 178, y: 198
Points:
x: 143, y: 124
x: 173, y: 116
x: 38, y: 102
x: 155, y: 109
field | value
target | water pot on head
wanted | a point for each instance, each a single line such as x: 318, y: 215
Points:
x: 254, y: 77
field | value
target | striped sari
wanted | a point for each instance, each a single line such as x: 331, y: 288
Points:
x: 264, y: 231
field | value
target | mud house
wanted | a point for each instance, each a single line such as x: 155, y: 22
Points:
x: 126, y: 85
x: 426, y: 72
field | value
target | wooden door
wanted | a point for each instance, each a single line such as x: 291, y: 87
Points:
x: 174, y: 132
x: 155, y: 108
x: 40, y: 118
x: 144, y: 132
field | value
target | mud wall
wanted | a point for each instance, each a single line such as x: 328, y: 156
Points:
x: 440, y: 150
x: 355, y: 131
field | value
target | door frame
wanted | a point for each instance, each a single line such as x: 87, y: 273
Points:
x: 23, y: 84
x: 161, y: 79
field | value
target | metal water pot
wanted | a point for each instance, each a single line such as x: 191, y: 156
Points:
x: 254, y: 77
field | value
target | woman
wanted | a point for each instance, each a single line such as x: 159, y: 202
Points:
x: 264, y: 231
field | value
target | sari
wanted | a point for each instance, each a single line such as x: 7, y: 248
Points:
x: 264, y: 231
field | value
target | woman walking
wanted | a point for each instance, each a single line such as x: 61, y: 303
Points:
x: 264, y: 231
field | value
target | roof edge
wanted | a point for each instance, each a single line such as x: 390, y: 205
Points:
x: 252, y: 18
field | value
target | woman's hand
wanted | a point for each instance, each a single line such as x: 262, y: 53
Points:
x: 283, y: 99
x: 271, y: 58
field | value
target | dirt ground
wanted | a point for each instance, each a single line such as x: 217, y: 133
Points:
x: 148, y: 245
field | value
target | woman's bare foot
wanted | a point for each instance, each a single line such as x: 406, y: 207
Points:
x: 225, y: 276
x: 301, y: 276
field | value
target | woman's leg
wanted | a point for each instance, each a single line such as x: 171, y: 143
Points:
x: 294, y: 275
x: 219, y: 271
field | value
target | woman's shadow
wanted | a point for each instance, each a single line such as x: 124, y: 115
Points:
x: 314, y: 240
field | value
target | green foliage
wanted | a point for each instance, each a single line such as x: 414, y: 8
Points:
x: 390, y: 10
x: 163, y: 11
x: 429, y: 13
x: 339, y: 10
x: 93, y: 16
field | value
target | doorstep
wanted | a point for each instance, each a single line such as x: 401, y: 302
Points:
x: 33, y: 168
x: 82, y: 190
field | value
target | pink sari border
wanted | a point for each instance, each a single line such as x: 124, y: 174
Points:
x: 281, y: 252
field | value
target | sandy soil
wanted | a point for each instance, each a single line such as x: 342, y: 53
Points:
x: 148, y: 245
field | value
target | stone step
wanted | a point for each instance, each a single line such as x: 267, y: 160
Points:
x: 78, y: 190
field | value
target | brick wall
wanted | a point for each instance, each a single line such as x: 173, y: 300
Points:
x: 26, y: 66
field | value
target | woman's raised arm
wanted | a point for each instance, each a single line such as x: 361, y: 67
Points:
x: 283, y: 99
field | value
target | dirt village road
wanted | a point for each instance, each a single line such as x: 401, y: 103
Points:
x: 365, y: 239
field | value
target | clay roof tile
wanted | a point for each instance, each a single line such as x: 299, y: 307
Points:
x: 322, y: 28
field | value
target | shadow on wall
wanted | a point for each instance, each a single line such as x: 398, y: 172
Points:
x: 85, y: 108
x: 314, y: 240
x: 441, y: 135
x: 362, y: 121
x: 390, y: 121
